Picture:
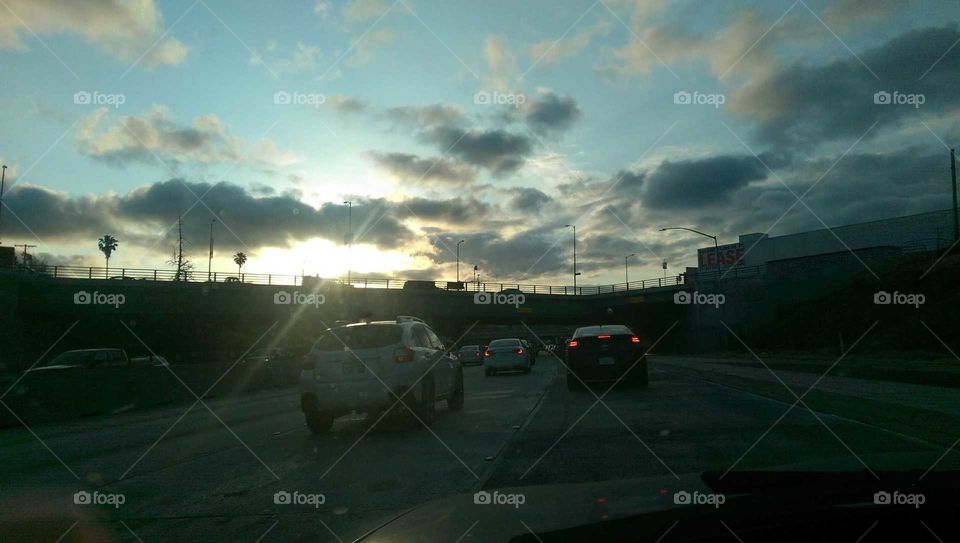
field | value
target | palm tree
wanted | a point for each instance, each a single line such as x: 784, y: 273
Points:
x: 239, y: 259
x: 108, y: 244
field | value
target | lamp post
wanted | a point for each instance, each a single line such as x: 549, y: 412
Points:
x: 575, y: 272
x: 458, y: 260
x: 3, y: 179
x: 349, y: 235
x: 626, y: 268
x: 716, y: 247
x: 210, y: 256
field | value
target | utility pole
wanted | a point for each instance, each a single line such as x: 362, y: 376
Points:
x: 25, y: 247
x: 3, y: 179
x: 626, y: 269
x: 349, y: 235
x: 575, y: 272
x: 210, y: 257
x: 953, y: 175
x: 179, y: 247
x: 458, y: 260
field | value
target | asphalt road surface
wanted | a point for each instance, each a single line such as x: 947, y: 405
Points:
x: 212, y: 473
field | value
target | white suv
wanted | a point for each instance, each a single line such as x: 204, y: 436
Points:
x: 365, y: 367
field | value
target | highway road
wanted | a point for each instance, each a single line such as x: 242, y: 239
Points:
x: 211, y: 471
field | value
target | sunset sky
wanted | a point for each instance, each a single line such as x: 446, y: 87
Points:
x: 494, y: 122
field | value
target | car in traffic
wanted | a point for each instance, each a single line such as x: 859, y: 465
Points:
x: 470, y: 355
x: 605, y: 353
x: 149, y: 360
x: 532, y: 349
x: 86, y: 359
x: 506, y: 354
x: 374, y: 366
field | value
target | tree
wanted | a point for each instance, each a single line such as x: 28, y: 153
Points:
x: 183, y: 265
x: 108, y: 244
x: 239, y: 259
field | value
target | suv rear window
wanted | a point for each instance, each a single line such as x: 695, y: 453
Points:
x: 505, y: 343
x: 612, y: 329
x: 367, y: 336
x: 470, y: 348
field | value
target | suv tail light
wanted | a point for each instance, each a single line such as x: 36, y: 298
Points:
x: 634, y: 339
x: 403, y: 355
x: 572, y: 343
x: 518, y: 350
x: 603, y: 336
x: 488, y: 353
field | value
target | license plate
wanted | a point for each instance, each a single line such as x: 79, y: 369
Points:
x: 606, y: 361
x: 352, y: 367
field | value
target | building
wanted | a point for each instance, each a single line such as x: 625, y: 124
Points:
x: 930, y: 231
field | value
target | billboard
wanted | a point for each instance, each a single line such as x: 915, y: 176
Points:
x: 730, y: 254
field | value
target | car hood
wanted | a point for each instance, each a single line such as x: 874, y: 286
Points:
x: 544, y: 508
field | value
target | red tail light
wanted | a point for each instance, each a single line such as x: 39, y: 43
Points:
x: 403, y: 354
x: 476, y: 353
x: 518, y: 350
x: 634, y: 339
x: 572, y: 343
x: 487, y: 353
x: 603, y: 336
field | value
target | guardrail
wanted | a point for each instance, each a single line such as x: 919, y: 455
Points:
x: 136, y: 274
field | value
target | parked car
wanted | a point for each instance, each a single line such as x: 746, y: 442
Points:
x: 508, y: 354
x: 470, y: 355
x: 365, y: 367
x: 86, y: 359
x: 607, y: 352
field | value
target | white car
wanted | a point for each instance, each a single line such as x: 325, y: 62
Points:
x: 506, y: 355
x: 364, y: 367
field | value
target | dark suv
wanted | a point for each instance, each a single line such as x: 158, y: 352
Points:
x: 605, y: 352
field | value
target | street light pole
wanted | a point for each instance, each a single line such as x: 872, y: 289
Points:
x: 575, y: 272
x: 458, y: 260
x: 716, y: 246
x: 349, y: 235
x: 3, y: 179
x: 210, y: 256
x: 626, y: 269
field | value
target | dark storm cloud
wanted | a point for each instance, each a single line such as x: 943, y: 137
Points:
x: 549, y: 113
x: 531, y: 253
x: 433, y: 170
x: 453, y: 211
x: 698, y: 183
x: 526, y: 199
x: 497, y: 150
x: 809, y: 104
x: 246, y: 222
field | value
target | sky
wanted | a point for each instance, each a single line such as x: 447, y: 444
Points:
x: 496, y: 123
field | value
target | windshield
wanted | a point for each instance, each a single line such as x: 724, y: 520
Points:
x: 561, y: 257
x: 366, y: 336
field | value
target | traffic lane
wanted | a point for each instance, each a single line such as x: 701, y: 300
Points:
x: 205, y: 484
x: 681, y: 424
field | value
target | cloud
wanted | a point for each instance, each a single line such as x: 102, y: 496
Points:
x: 696, y: 183
x: 129, y: 139
x: 552, y: 52
x: 808, y: 104
x: 303, y: 58
x: 355, y: 11
x: 548, y: 113
x: 423, y: 117
x: 347, y: 104
x: 527, y: 200
x: 453, y: 211
x: 496, y: 150
x: 435, y: 170
x: 501, y: 62
x: 124, y: 30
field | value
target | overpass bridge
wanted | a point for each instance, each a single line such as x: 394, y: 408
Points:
x: 217, y: 318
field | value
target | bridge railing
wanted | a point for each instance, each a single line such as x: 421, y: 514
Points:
x: 194, y: 276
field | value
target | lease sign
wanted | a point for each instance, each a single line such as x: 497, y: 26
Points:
x: 730, y: 255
